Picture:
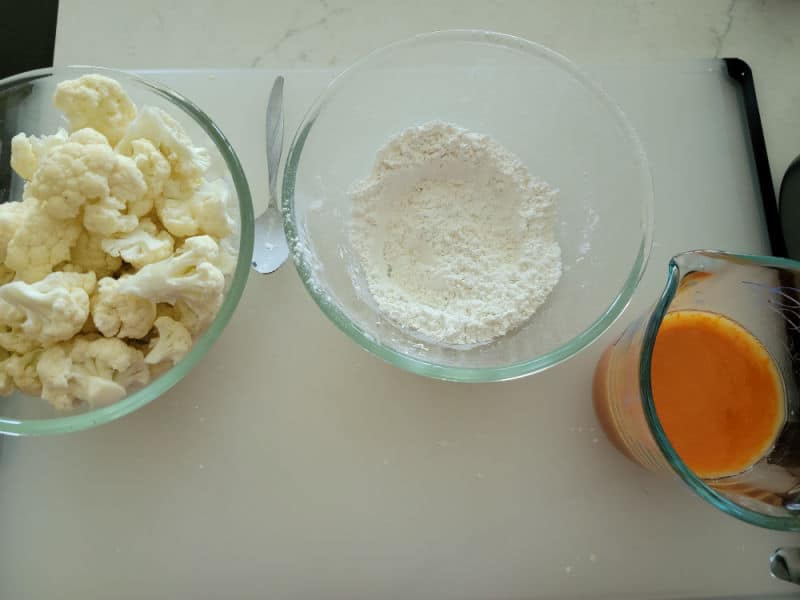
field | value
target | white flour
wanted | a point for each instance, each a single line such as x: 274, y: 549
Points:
x: 455, y: 238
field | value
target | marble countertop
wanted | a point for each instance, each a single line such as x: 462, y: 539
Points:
x: 153, y: 34
x: 242, y: 33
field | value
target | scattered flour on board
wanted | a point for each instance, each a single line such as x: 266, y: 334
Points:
x: 457, y: 241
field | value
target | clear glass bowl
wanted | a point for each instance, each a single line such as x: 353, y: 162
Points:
x: 534, y: 102
x: 26, y: 105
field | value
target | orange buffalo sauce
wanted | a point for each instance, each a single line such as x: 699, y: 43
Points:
x: 717, y: 392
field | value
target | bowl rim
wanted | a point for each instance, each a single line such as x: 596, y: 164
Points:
x: 165, y: 381
x: 427, y: 368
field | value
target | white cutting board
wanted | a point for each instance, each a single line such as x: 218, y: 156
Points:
x: 291, y: 464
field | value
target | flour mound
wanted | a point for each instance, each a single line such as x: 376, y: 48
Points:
x: 455, y: 238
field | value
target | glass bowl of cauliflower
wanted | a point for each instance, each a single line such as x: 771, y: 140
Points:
x: 126, y: 234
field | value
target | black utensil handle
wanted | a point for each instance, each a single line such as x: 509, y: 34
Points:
x: 741, y: 72
x: 787, y: 447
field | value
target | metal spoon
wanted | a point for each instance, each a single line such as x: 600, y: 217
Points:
x: 270, y: 250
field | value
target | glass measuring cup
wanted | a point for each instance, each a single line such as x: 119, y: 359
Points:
x: 762, y: 295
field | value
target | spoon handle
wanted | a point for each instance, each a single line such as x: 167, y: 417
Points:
x: 274, y: 136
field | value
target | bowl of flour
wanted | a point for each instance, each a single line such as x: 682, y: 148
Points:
x: 468, y: 205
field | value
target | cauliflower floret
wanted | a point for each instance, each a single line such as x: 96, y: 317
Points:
x: 40, y: 243
x: 142, y: 246
x: 71, y: 174
x: 88, y: 136
x: 11, y: 337
x: 93, y: 370
x: 190, y: 277
x: 156, y: 171
x: 107, y: 218
x: 88, y: 255
x: 95, y: 101
x: 6, y: 381
x: 12, y: 214
x: 27, y: 151
x: 227, y: 257
x: 85, y: 172
x: 172, y: 343
x: 183, y: 314
x: 126, y: 181
x: 187, y: 162
x: 43, y: 313
x: 205, y: 212
x: 21, y: 368
x: 120, y: 314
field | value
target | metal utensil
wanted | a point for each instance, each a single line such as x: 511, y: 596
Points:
x: 270, y: 249
x: 784, y: 564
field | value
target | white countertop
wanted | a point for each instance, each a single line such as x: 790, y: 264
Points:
x: 207, y: 33
x: 325, y: 33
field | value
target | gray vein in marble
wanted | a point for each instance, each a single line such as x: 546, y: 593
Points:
x: 296, y: 30
x: 720, y: 36
x: 159, y: 19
